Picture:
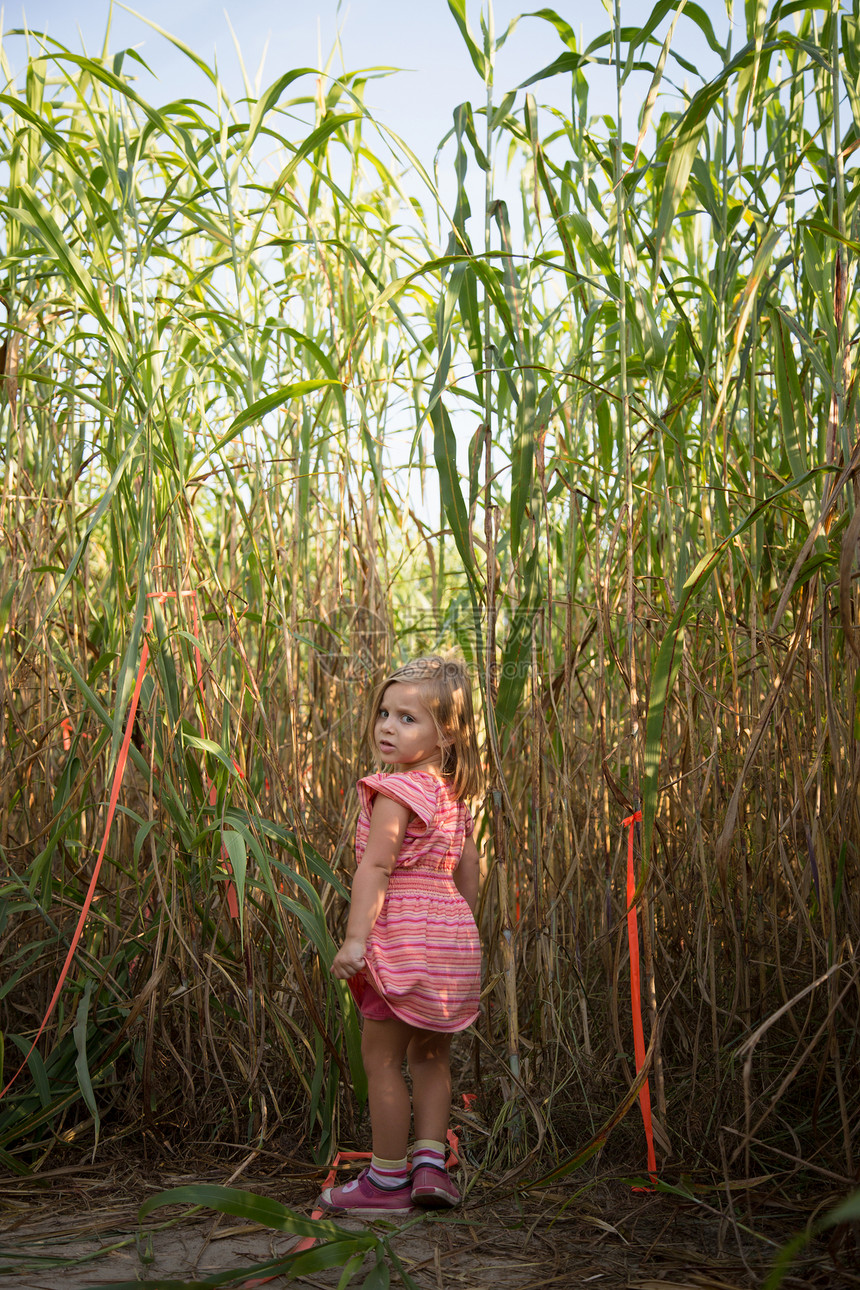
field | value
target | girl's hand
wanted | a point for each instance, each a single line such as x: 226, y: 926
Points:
x: 349, y: 959
x: 386, y: 833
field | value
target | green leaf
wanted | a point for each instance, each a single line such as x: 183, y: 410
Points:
x: 523, y: 458
x: 210, y: 746
x: 82, y: 1069
x: 445, y: 448
x: 458, y: 9
x: 171, y: 798
x: 564, y: 63
x: 690, y: 10
x: 847, y: 1211
x: 819, y: 225
x: 247, y: 1205
x: 331, y: 123
x: 37, y: 1068
x: 332, y: 1254
x: 309, y: 344
x: 517, y: 653
x: 265, y: 103
x: 22, y: 109
x: 379, y: 1277
x: 784, y: 1260
x: 564, y: 29
x: 350, y: 1268
x: 140, y: 837
x: 482, y: 267
x: 234, y: 844
x: 793, y: 415
x: 6, y: 608
x: 257, y: 410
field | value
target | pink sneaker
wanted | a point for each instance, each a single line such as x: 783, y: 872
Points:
x: 432, y: 1188
x: 361, y: 1198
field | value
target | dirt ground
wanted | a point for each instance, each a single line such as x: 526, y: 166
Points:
x: 77, y: 1228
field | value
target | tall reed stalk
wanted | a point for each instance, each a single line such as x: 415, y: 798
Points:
x: 220, y: 323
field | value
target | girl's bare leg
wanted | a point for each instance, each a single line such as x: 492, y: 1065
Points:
x: 430, y: 1067
x: 383, y: 1047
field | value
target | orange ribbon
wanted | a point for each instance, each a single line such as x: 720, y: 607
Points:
x: 232, y: 903
x: 91, y: 890
x: 636, y: 996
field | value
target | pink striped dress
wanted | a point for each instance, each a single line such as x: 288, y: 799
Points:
x: 424, y: 954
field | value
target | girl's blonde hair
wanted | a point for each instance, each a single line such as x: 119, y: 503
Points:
x: 446, y: 691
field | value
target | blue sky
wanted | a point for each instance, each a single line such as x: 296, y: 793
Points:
x: 418, y: 36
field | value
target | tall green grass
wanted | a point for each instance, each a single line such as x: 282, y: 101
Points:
x: 637, y: 404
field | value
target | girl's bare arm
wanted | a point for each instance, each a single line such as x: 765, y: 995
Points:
x: 468, y: 873
x: 388, y: 823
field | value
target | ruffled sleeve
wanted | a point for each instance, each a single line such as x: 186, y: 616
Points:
x: 421, y: 795
x: 469, y: 827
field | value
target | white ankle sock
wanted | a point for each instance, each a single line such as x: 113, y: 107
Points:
x: 428, y: 1152
x: 388, y: 1174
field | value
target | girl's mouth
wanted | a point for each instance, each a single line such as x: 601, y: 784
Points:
x: 385, y: 746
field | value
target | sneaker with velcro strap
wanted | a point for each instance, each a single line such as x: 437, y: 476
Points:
x: 361, y: 1198
x: 433, y: 1188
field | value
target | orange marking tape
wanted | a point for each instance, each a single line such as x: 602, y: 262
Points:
x: 88, y: 899
x: 454, y: 1142
x: 68, y: 729
x: 636, y: 998
x: 122, y: 760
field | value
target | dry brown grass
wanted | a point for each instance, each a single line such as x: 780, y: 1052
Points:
x: 649, y: 563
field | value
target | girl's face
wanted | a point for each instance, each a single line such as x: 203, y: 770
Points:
x: 404, y: 732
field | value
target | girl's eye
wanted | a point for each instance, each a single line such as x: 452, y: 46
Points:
x: 408, y: 718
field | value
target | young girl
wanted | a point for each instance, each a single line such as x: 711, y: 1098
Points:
x: 411, y: 952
